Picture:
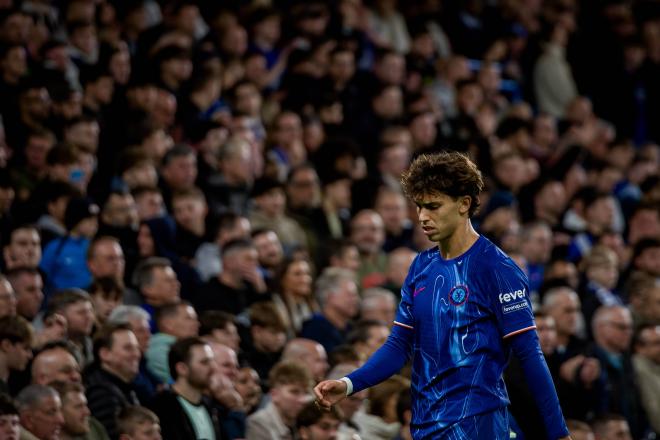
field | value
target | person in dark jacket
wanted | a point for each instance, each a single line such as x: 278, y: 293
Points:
x: 183, y: 410
x: 109, y: 381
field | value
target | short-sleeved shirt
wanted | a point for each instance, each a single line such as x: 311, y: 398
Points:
x: 460, y: 310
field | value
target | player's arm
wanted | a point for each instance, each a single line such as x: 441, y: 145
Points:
x: 385, y: 362
x: 526, y: 347
x: 513, y: 311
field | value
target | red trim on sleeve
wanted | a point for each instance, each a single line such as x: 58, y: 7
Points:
x: 522, y: 330
x: 404, y: 325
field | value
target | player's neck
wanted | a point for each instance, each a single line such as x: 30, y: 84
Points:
x: 459, y: 242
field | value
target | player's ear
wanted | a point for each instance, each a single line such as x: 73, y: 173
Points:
x: 464, y: 204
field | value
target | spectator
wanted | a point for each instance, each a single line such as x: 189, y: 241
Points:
x: 612, y: 426
x: 106, y: 294
x: 15, y: 343
x: 381, y: 421
x: 28, y: 287
x: 367, y: 337
x: 646, y: 257
x: 56, y: 362
x: 368, y: 234
x: 189, y: 210
x: 269, y: 250
x: 337, y: 294
x: 599, y: 211
x: 270, y: 203
x: 105, y: 258
x: 612, y: 329
x: 7, y: 298
x: 138, y: 423
x: 579, y: 430
x: 183, y: 409
x: 312, y: 423
x: 536, y: 247
x: 10, y: 427
x: 295, y: 300
x: 308, y: 353
x: 138, y: 320
x: 207, y: 258
x: 238, y: 285
x: 51, y: 223
x: 267, y: 337
x: 601, y: 277
x: 646, y: 361
x: 289, y: 391
x: 109, y: 383
x: 77, y: 421
x: 157, y: 284
x: 63, y: 261
x: 391, y: 205
x: 219, y: 327
x: 378, y: 305
x: 40, y: 411
x: 76, y: 307
x: 175, y: 322
x: 644, y: 299
x: 398, y: 263
x: 23, y: 248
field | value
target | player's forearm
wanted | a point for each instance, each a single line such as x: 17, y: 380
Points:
x: 527, y: 349
x: 386, y: 361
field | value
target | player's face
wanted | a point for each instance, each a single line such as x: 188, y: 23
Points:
x: 440, y: 215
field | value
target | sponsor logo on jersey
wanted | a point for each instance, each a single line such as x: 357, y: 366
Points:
x: 512, y: 296
x: 513, y: 301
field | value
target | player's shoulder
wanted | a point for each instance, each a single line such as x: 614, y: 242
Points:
x: 492, y: 258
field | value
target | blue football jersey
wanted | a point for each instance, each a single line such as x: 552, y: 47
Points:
x: 460, y: 311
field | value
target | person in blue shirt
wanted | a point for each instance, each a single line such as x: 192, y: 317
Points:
x: 465, y: 306
x: 64, y: 259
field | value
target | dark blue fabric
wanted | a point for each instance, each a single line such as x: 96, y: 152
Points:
x: 528, y: 350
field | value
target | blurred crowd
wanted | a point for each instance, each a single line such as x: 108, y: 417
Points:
x: 201, y: 214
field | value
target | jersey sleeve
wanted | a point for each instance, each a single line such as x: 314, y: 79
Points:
x: 404, y: 315
x: 507, y: 289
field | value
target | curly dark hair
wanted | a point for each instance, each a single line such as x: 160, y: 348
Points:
x: 450, y: 173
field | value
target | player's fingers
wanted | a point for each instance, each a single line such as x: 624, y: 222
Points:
x: 317, y: 392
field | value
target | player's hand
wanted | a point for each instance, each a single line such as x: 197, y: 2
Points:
x: 568, y: 437
x: 329, y: 392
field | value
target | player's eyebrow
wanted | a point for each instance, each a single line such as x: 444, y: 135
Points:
x: 427, y: 205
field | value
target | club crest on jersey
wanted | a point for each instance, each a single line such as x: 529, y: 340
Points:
x: 459, y: 294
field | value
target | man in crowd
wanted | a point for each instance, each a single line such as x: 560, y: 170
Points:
x: 183, y: 410
x: 15, y: 351
x: 28, y: 287
x: 56, y: 361
x: 78, y: 423
x: 646, y: 361
x: 40, y: 410
x: 109, y: 386
x: 309, y: 353
x: 337, y: 292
